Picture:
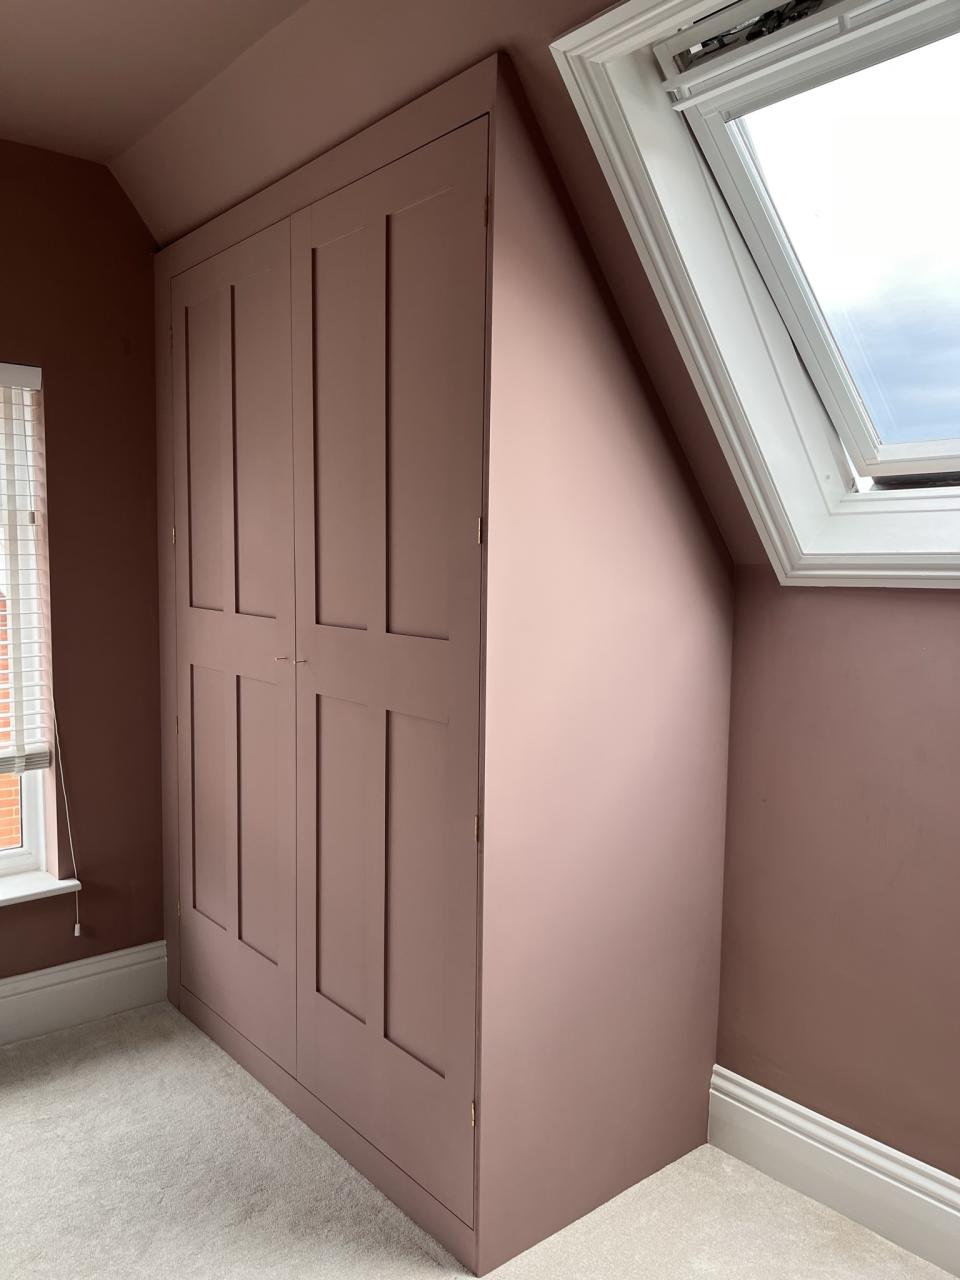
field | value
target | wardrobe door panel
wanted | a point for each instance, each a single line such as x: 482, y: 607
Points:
x: 261, y: 725
x: 421, y: 341
x: 342, y: 808
x: 261, y: 330
x: 208, y: 757
x: 344, y: 281
x: 202, y: 409
x: 235, y: 638
x: 416, y: 887
x: 389, y: 306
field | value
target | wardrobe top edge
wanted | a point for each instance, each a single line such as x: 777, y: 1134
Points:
x: 440, y: 110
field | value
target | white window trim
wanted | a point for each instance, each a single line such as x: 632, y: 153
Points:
x: 30, y: 856
x: 29, y: 872
x: 778, y: 440
x: 21, y: 375
x: 711, y: 104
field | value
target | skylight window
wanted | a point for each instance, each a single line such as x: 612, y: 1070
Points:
x: 862, y: 173
x: 842, y: 179
x: 788, y: 175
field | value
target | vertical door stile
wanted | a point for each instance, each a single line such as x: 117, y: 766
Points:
x: 305, y: 566
x: 294, y: 632
x: 231, y: 718
x: 183, y: 591
x: 378, y: 711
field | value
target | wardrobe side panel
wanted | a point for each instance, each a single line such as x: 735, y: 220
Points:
x: 607, y: 678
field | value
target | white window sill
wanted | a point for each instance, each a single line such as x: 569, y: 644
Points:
x: 27, y: 886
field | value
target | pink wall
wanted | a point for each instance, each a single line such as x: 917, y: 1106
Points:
x: 76, y: 297
x: 841, y: 963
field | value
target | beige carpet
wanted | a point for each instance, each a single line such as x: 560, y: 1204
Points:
x: 135, y: 1148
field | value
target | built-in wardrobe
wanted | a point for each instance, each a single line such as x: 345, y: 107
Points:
x: 401, y: 551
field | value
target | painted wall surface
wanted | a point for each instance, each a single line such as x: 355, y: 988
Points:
x: 76, y: 298
x: 335, y: 66
x: 607, y: 715
x: 841, y: 962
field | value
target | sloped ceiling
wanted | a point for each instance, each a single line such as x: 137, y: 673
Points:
x: 196, y: 104
x: 89, y: 77
x: 338, y: 65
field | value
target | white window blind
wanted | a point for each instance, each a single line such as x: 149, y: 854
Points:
x: 26, y: 721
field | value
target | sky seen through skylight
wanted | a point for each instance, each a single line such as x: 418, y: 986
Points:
x: 865, y: 175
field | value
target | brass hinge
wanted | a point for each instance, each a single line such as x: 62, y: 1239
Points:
x: 178, y: 908
x: 173, y: 535
x: 476, y: 827
x: 479, y: 530
x: 473, y: 1115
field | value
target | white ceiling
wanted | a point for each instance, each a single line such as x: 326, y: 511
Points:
x: 90, y: 77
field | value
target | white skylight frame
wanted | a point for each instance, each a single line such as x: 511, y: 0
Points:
x: 819, y: 523
x: 847, y: 36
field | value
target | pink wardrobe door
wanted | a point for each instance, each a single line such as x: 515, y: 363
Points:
x: 389, y: 321
x: 235, y: 636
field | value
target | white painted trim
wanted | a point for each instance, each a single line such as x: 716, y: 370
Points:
x: 841, y: 37
x: 771, y: 425
x: 21, y: 375
x: 909, y: 1202
x: 27, y: 886
x: 65, y: 995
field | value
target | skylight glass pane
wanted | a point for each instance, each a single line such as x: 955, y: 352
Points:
x: 865, y: 177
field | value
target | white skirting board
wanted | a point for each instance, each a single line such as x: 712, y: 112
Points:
x: 65, y: 995
x: 909, y: 1202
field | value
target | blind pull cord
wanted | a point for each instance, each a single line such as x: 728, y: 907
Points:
x: 66, y: 810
